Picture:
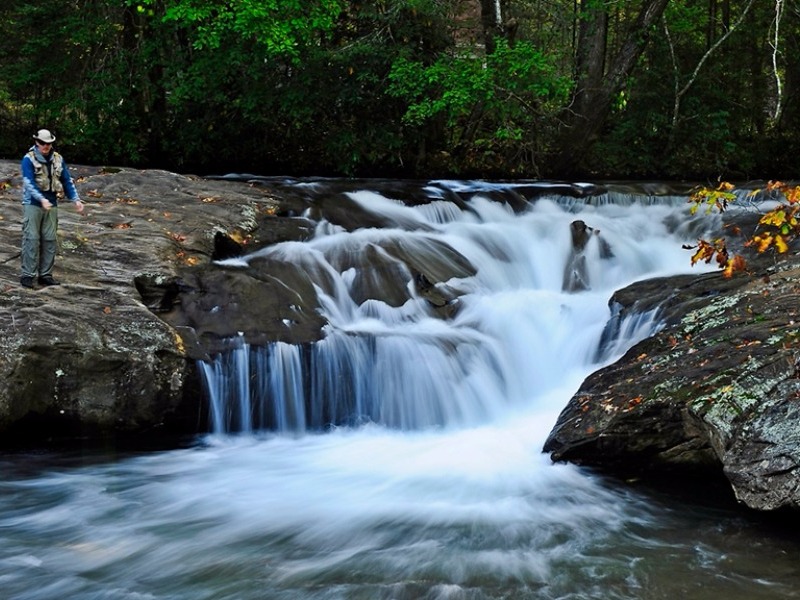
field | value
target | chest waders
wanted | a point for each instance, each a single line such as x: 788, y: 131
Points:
x: 40, y: 226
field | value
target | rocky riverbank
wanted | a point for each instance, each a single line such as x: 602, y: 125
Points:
x: 112, y: 350
x: 93, y: 356
x: 717, y: 388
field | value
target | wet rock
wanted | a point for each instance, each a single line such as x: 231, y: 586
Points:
x: 716, y: 389
x: 152, y: 280
x: 98, y: 355
x: 576, y: 275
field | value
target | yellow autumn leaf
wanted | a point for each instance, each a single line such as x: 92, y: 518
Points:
x: 763, y: 241
x: 775, y: 217
x: 793, y: 195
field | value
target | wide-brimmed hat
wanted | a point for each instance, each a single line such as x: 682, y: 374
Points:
x: 44, y: 135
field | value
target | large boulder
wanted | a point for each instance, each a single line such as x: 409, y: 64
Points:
x: 717, y: 389
x: 143, y: 296
x: 93, y: 356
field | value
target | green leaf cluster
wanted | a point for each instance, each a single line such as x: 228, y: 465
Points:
x: 391, y: 87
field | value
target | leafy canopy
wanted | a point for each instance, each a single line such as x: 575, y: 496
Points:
x: 282, y: 27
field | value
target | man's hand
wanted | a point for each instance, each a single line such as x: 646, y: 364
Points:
x: 46, y: 204
x: 79, y: 206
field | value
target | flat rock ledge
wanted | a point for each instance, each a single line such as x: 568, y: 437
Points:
x: 717, y: 389
x: 111, y: 351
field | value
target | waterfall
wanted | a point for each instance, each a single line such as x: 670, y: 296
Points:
x: 516, y: 331
x: 401, y: 455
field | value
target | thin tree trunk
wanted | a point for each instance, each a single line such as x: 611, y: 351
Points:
x: 790, y: 115
x: 590, y: 60
x: 491, y: 20
x: 594, y: 96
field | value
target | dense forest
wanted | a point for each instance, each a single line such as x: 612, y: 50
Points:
x: 413, y: 88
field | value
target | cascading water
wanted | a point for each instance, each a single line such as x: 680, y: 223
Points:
x: 400, y: 457
x: 515, y: 334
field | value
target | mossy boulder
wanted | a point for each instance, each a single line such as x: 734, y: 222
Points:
x: 717, y: 389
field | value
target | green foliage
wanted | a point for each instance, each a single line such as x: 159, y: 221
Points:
x: 687, y: 17
x: 385, y: 87
x: 280, y: 27
x: 485, y: 103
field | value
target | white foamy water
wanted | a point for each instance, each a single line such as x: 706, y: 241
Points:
x: 433, y: 485
x: 515, y: 335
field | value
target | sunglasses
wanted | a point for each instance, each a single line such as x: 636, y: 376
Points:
x: 41, y: 143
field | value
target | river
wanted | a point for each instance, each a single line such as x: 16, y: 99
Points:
x: 409, y: 464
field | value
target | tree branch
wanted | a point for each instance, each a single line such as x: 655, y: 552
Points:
x: 703, y: 60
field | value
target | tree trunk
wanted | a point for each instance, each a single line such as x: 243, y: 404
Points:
x: 595, y: 87
x: 494, y: 25
x: 490, y: 23
x: 590, y: 61
x: 790, y: 116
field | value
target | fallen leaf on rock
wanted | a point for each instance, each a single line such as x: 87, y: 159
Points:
x: 179, y: 343
x: 239, y: 237
x: 746, y: 343
x: 633, y: 403
x: 107, y: 310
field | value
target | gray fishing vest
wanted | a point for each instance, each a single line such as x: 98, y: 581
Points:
x: 49, y: 182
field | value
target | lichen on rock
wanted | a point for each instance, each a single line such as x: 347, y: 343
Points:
x: 704, y: 392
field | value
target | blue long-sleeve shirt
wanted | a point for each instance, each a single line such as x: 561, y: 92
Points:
x: 32, y: 193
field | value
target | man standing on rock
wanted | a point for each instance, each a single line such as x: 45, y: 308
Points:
x: 45, y: 178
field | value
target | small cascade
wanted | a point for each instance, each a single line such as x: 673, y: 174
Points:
x: 435, y: 396
x: 527, y: 309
